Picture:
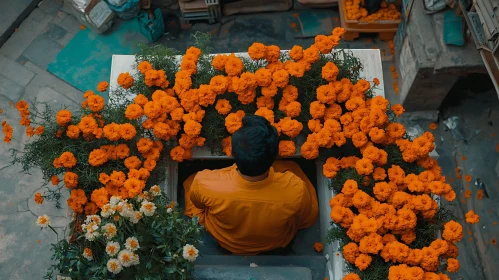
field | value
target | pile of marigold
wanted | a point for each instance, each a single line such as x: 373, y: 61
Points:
x: 355, y: 11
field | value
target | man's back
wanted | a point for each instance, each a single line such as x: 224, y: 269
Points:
x: 252, y: 217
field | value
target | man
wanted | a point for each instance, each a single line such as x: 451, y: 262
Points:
x: 257, y: 204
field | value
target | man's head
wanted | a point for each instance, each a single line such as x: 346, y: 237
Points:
x: 255, y: 146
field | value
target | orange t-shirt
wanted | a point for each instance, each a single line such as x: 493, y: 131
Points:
x: 248, y: 218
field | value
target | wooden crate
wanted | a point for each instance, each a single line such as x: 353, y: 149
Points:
x: 386, y: 29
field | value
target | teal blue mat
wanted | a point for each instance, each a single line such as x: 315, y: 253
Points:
x: 86, y: 60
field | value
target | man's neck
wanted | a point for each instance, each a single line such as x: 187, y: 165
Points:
x: 255, y: 178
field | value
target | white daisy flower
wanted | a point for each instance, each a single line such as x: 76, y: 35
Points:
x: 90, y: 236
x: 132, y: 244
x: 107, y: 210
x: 110, y: 230
x: 148, y: 208
x: 169, y: 210
x: 127, y: 210
x: 93, y: 218
x: 135, y: 217
x: 114, y: 200
x: 87, y: 254
x: 112, y: 248
x: 114, y: 266
x: 126, y: 258
x: 135, y: 259
x: 155, y: 190
x: 190, y: 253
x: 43, y: 221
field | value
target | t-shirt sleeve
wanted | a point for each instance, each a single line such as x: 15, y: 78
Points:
x: 309, y: 208
x: 196, y: 196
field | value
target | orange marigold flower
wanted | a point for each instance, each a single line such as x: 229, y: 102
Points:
x: 318, y: 247
x: 295, y: 69
x: 87, y: 124
x: 223, y: 106
x: 453, y: 231
x: 398, y: 110
x: 351, y: 252
x: 141, y: 99
x: 127, y: 131
x: 362, y: 262
x: 144, y: 66
x: 376, y: 81
x: 311, y: 54
x: 472, y: 217
x: 104, y: 178
x: 70, y: 180
x: 102, y: 86
x: 63, y: 117
x: 350, y: 187
x: 468, y: 178
x: 351, y: 276
x: 233, y: 65
x: 433, y: 126
x: 379, y: 174
x: 38, y: 198
x: 100, y: 197
x: 310, y: 150
x: 177, y: 154
x: 326, y: 94
x: 257, y: 51
x: 219, y: 61
x: 479, y: 194
x: 452, y: 265
x: 273, y: 53
x: 359, y: 139
x: 30, y: 131
x: 97, y: 157
x: 364, y: 167
x: 290, y: 127
x: 296, y: 53
x: 263, y: 77
x: 330, y: 167
x: 125, y: 80
x: 95, y: 103
x: 39, y: 130
x: 219, y: 84
x: 266, y: 113
x: 133, y: 111
x: 192, y: 128
x: 287, y: 148
x: 314, y: 125
x: 317, y: 109
x: 149, y: 164
x: 54, y: 180
x: 133, y: 162
x: 227, y: 146
x: 233, y: 121
x: 67, y: 159
x: 330, y: 71
x: 280, y: 78
x: 293, y: 109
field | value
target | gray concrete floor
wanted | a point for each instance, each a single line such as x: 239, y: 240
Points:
x: 24, y: 249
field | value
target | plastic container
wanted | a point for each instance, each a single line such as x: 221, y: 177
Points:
x: 151, y: 28
x: 128, y: 10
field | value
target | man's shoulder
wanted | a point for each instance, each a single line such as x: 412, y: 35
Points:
x: 215, y: 174
x: 289, y: 180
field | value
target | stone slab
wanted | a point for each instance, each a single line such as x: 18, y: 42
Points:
x: 55, y: 32
x: 10, y: 89
x: 69, y: 95
x: 256, y: 273
x: 317, y: 265
x: 30, y: 28
x: 70, y: 24
x: 13, y: 13
x: 15, y: 72
x: 42, y: 51
x: 51, y: 7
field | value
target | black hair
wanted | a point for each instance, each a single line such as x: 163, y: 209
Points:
x: 255, y: 146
